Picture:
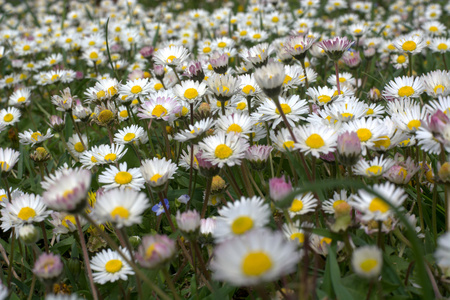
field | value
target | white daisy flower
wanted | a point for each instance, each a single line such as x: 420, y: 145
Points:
x: 76, y: 146
x: 437, y: 83
x: 321, y: 95
x: 20, y: 97
x: 156, y: 172
x: 293, y: 108
x: 10, y: 116
x: 410, y: 119
x: 122, y: 177
x: 367, y: 261
x: 195, y: 131
x: 369, y: 131
x: 315, y: 139
x: 34, y: 137
x: 440, y: 45
x: 235, y: 123
x: 129, y: 134
x: 106, y: 154
x: 294, y: 231
x: 348, y: 109
x: 134, y: 88
x: 329, y: 205
x: 283, y: 140
x: 344, y: 79
x: 404, y: 87
x: 190, y: 91
x: 400, y: 61
x: 224, y: 149
x: 161, y: 106
x: 249, y: 87
x: 172, y: 56
x: 109, y: 266
x: 302, y: 204
x: 223, y: 87
x: 374, y: 168
x: 257, y: 257
x: 8, y: 159
x: 410, y: 44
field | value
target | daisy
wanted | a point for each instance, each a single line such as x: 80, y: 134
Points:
x: 411, y: 118
x: 157, y: 172
x: 240, y: 217
x: 393, y: 136
x: 249, y: 87
x: 335, y: 47
x: 321, y: 95
x: 297, y: 46
x: 283, y: 140
x: 436, y: 83
x: 344, y: 79
x: 109, y: 266
x: 138, y: 88
x: 235, y: 123
x: 121, y: 207
x: 76, y: 146
x: 374, y: 208
x: 292, y: 77
x: 223, y: 87
x: 346, y: 110
x: 293, y: 108
x: 302, y: 204
x: 257, y: 55
x: 122, y: 177
x: 329, y: 206
x: 8, y: 159
x: 315, y: 139
x: 257, y: 257
x: 374, y: 168
x: 9, y: 116
x: 20, y: 97
x: 410, y: 44
x: 155, y: 250
x: 294, y: 231
x: 368, y: 130
x: 171, y: 56
x: 400, y: 61
x: 106, y: 154
x: 190, y: 91
x: 26, y: 209
x: 185, y: 158
x: 440, y: 45
x: 224, y: 149
x: 161, y: 106
x: 129, y: 134
x: 311, y: 76
x: 34, y: 137
x: 270, y: 78
x: 195, y: 131
x: 367, y: 261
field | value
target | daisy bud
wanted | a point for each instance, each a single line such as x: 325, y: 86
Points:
x: 219, y: 62
x: 159, y: 71
x: 369, y: 52
x: 56, y: 123
x: 189, y: 223
x: 352, y: 59
x: 48, y: 267
x: 374, y: 94
x: 74, y: 266
x: 204, y: 108
x: 155, y: 251
x: 348, y: 148
x: 218, y: 184
x: 367, y: 261
x: 135, y: 241
x: 205, y: 167
x: 437, y: 122
x: 335, y: 47
x: 279, y: 188
x: 257, y: 156
x: 206, y: 229
x: 444, y: 172
x: 270, y: 78
x: 195, y: 71
x: 147, y: 51
x: 40, y: 155
x: 28, y: 234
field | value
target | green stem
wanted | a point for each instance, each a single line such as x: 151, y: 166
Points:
x: 11, y: 257
x: 170, y: 284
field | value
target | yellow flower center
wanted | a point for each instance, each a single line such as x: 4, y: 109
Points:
x: 235, y: 128
x: 405, y: 91
x: 101, y: 94
x: 299, y: 236
x: 69, y: 218
x: 324, y: 98
x: 26, y: 213
x: 285, y: 107
x: 136, y: 89
x: 123, y: 177
x: 93, y: 159
x: 78, y: 147
x: 315, y: 141
x: 439, y: 88
x: 347, y: 115
x: 4, y: 165
x: 391, y: 47
x: 3, y: 197
x: 158, y: 86
x: 105, y: 116
x: 257, y: 36
x: 325, y: 240
x: 433, y: 29
x: 297, y: 205
x: 241, y: 106
x: 384, y: 141
x: 93, y: 55
x: 342, y: 79
x: 223, y: 151
x: 110, y: 157
x: 150, y: 250
x: 243, y: 33
x: 368, y: 264
x: 26, y: 48
x: 442, y: 46
x: 288, y: 145
x: 409, y: 46
x: 222, y: 45
x: 374, y: 170
x: 191, y: 93
x: 55, y: 77
x: 112, y: 91
x: 364, y: 134
x: 171, y: 58
x: 120, y: 212
x: 206, y: 49
x: 401, y: 59
x: 414, y: 124
x: 370, y: 111
x: 275, y: 19
x: 155, y: 177
x: 123, y: 114
x: 378, y: 204
x: 337, y: 203
x: 113, y: 266
x: 36, y: 135
x: 8, y: 118
x: 159, y: 111
x: 256, y: 263
x: 248, y: 89
x: 287, y: 79
x: 241, y: 225
x: 129, y: 136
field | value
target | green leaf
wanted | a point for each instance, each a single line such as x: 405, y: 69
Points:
x: 335, y: 273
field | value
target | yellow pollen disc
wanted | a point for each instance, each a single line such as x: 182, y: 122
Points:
x: 222, y: 45
x: 403, y: 172
x: 223, y: 151
x: 414, y: 124
x: 338, y: 202
x: 241, y: 225
x: 4, y: 166
x: 129, y: 136
x: 370, y: 111
x: 391, y: 47
x: 315, y: 141
x: 8, y: 118
x: 256, y: 264
x: 439, y: 89
x: 324, y: 99
x: 35, y: 135
x: 136, y: 89
x: 256, y: 36
x: 68, y: 40
x: 206, y: 49
x: 155, y: 177
x: 123, y: 177
x: 275, y: 19
x: 241, y: 106
x: 357, y: 31
x: 105, y: 116
x: 110, y: 157
x: 93, y: 159
x: 384, y: 141
x: 171, y: 58
x: 158, y: 86
x: 378, y: 204
x: 124, y: 114
x: 298, y: 46
x: 342, y: 79
x: 285, y: 107
x: 401, y: 59
x: 299, y: 236
x: 69, y: 218
x: 405, y: 91
x: 120, y: 212
x: 101, y: 94
x: 9, y: 80
x: 184, y: 111
x: 78, y: 147
x: 55, y: 77
x: 374, y: 170
x: 409, y: 46
x: 325, y: 240
x: 368, y: 264
x: 93, y: 55
x: 112, y: 91
x: 288, y: 145
x: 287, y: 79
x: 149, y: 251
x: 53, y: 61
x: 248, y: 89
x: 113, y: 266
x: 364, y: 134
x: 159, y: 111
x: 243, y: 33
x: 442, y: 46
x: 26, y: 48
x: 347, y: 115
x: 3, y: 197
x: 433, y: 29
x: 234, y: 128
x: 130, y: 39
x: 190, y: 93
x: 225, y: 90
x: 26, y: 212
x: 297, y: 205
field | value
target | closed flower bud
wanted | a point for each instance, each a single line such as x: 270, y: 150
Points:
x: 155, y: 251
x: 74, y: 267
x: 48, y: 267
x: 135, y: 241
x: 219, y: 62
x: 279, y: 188
x: 189, y: 223
x: 56, y: 123
x: 444, y: 172
x: 204, y: 108
x: 374, y: 94
x: 348, y: 148
x: 28, y: 234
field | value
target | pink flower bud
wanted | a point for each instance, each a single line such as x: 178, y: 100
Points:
x: 279, y: 188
